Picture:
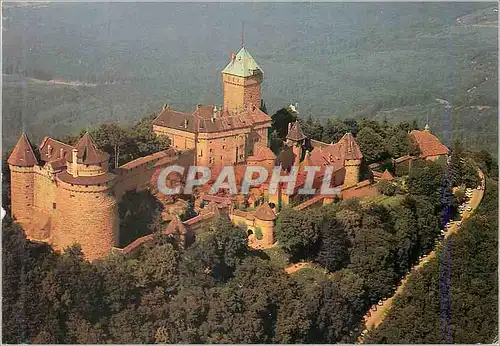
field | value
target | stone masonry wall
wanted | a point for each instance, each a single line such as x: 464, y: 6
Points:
x: 21, y: 188
x: 226, y: 150
x: 239, y: 91
x: 352, y: 168
x: 180, y: 140
x: 44, y: 191
x: 87, y: 218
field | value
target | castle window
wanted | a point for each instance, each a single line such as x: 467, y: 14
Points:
x: 201, y: 153
x: 210, y: 150
x: 28, y: 185
x: 71, y: 195
x: 53, y: 206
x: 223, y: 147
x: 86, y: 186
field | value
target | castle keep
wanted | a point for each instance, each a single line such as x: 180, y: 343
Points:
x: 228, y: 134
x: 68, y: 194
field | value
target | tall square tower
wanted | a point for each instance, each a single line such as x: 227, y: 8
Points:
x: 241, y: 81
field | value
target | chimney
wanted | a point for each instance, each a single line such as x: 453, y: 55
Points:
x: 75, y: 162
x: 185, y: 123
x: 198, y: 106
x: 61, y: 153
x: 49, y: 150
x: 427, y: 128
x: 166, y: 106
x: 233, y: 57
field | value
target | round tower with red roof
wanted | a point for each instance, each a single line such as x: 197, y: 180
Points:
x: 21, y: 163
x: 295, y: 138
x: 86, y: 207
x: 264, y: 220
x: 352, y: 159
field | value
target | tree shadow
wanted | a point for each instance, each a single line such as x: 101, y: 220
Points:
x: 140, y: 215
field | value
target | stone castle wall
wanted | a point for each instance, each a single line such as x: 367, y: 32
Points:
x: 239, y: 91
x: 222, y: 149
x: 87, y: 216
x: 44, y: 191
x: 352, y: 171
x: 22, y: 192
x: 179, y: 139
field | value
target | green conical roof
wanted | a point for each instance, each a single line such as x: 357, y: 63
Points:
x: 243, y: 65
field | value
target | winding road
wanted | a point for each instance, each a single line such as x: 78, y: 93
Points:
x: 377, y: 314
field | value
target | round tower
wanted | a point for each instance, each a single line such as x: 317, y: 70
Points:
x: 21, y: 164
x: 352, y: 159
x: 264, y: 220
x: 86, y: 207
x: 295, y: 138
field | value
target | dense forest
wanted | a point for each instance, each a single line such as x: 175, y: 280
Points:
x: 220, y: 291
x: 468, y: 261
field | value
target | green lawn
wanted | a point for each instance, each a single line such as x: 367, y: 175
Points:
x: 389, y: 201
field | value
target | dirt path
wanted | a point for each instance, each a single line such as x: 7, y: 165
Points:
x: 296, y: 267
x: 377, y: 314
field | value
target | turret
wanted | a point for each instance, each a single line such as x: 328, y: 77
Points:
x: 295, y: 138
x: 86, y: 206
x: 352, y: 159
x: 21, y: 163
x: 265, y: 219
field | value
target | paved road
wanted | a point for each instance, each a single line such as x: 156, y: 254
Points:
x: 375, y: 316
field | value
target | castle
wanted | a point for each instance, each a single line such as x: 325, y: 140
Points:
x: 68, y: 194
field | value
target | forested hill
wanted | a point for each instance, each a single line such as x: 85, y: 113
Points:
x: 418, y: 316
x: 389, y: 60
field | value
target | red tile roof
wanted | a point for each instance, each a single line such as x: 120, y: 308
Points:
x: 402, y: 159
x: 295, y: 132
x: 203, y: 119
x: 88, y: 153
x: 428, y: 144
x: 86, y: 180
x: 386, y: 176
x: 335, y: 154
x: 262, y: 154
x: 265, y: 213
x: 50, y: 150
x: 23, y: 155
x: 150, y: 158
